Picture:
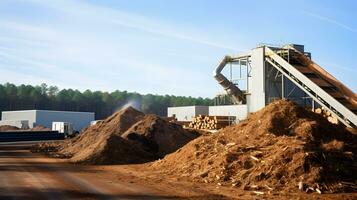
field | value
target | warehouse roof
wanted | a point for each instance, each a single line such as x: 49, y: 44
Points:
x: 44, y: 111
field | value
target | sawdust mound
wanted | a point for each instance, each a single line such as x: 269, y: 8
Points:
x: 277, y: 148
x: 98, y: 143
x: 128, y: 136
x: 8, y: 128
x: 114, y: 150
x: 157, y: 136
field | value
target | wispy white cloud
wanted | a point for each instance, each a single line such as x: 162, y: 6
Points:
x: 18, y: 72
x: 23, y: 41
x: 134, y: 21
x: 332, y: 21
x: 101, y: 68
x: 19, y: 77
x: 31, y: 62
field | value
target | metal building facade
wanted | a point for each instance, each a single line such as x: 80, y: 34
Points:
x: 186, y: 113
x: 45, y: 118
x: 240, y: 112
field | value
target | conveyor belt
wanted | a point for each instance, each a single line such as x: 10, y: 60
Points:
x: 316, y: 82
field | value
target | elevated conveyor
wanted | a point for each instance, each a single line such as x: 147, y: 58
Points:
x: 315, y: 81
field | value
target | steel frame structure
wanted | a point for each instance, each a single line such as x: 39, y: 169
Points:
x: 277, y: 73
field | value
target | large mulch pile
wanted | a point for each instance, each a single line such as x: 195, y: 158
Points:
x: 157, y: 136
x: 5, y: 128
x: 127, y: 136
x: 282, y: 147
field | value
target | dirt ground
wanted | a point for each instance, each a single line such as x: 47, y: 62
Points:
x: 26, y: 175
x: 283, y: 151
x: 8, y: 128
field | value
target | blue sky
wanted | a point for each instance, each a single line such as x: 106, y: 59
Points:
x: 164, y: 47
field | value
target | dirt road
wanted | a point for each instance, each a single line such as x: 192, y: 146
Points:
x: 25, y: 175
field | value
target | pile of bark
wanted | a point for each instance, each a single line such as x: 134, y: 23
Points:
x: 211, y: 122
x: 282, y: 147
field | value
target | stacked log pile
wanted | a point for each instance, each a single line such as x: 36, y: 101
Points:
x: 211, y: 122
x: 327, y: 114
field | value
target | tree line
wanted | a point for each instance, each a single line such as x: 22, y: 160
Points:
x: 44, y: 97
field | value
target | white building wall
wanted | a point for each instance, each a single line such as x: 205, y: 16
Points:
x: 29, y: 115
x: 23, y: 124
x: 79, y: 120
x: 238, y: 111
x: 45, y: 118
x: 256, y: 97
x: 186, y: 113
x: 201, y: 110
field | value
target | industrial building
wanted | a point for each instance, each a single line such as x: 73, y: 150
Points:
x: 266, y: 73
x: 186, y: 113
x: 31, y: 118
